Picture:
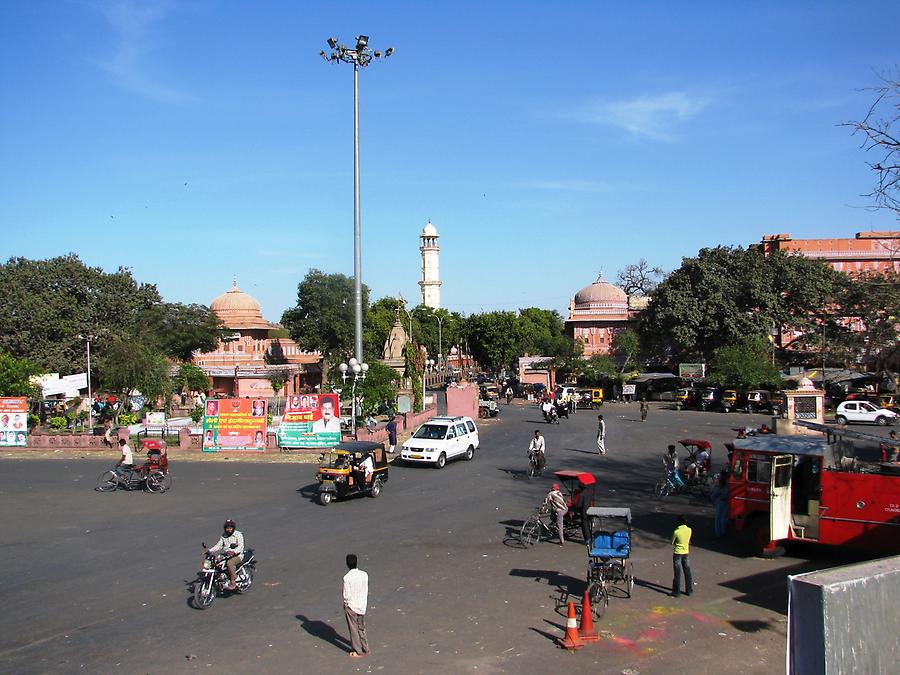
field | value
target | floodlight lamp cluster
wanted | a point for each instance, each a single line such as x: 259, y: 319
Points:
x: 360, y: 55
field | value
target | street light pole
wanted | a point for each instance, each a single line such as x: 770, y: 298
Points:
x: 360, y: 56
x: 87, y: 339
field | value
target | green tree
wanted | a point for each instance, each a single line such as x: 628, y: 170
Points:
x: 189, y: 377
x: 415, y: 369
x: 379, y: 388
x: 746, y: 364
x: 598, y: 369
x: 178, y: 330
x: 15, y: 376
x: 627, y: 346
x: 323, y: 318
x: 46, y: 305
x: 377, y: 326
x: 541, y: 332
x: 492, y: 339
x: 726, y: 294
x: 130, y: 364
x: 437, y: 329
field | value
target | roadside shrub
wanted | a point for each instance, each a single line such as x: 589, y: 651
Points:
x: 126, y: 419
x: 58, y: 422
x: 197, y: 414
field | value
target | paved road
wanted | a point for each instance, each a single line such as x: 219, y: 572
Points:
x: 96, y: 582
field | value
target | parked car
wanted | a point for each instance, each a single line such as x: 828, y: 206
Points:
x: 863, y: 412
x: 441, y: 439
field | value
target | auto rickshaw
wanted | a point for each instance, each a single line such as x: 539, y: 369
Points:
x: 685, y: 398
x: 340, y: 475
x: 759, y: 400
x: 578, y: 487
x: 709, y: 399
x: 589, y: 399
x: 729, y: 400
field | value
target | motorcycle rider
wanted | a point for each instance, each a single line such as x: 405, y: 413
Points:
x: 537, y: 450
x: 509, y: 394
x: 232, y: 543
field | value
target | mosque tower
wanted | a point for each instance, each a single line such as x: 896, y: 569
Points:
x: 431, y: 278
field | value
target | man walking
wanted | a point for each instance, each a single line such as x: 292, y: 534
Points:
x: 391, y: 428
x: 356, y: 595
x: 601, y: 435
x: 681, y: 541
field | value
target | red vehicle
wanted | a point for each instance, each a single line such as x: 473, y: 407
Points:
x: 803, y: 488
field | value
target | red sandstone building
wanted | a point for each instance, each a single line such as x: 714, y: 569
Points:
x: 867, y: 252
x: 246, y: 363
x: 598, y: 312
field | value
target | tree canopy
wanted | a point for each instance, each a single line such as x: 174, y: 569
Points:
x: 639, y: 278
x: 745, y: 365
x: 15, y: 376
x: 492, y: 339
x: 178, y: 330
x: 323, y: 317
x: 726, y: 294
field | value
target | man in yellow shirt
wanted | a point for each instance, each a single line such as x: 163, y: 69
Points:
x: 681, y: 542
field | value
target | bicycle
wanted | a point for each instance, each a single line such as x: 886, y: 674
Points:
x: 154, y: 481
x: 531, y: 530
x: 669, y: 486
x: 536, y: 464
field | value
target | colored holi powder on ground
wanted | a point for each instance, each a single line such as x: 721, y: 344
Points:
x: 659, y: 610
x: 651, y: 635
x: 702, y: 618
x: 626, y: 643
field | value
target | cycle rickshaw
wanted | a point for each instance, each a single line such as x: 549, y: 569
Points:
x: 609, y: 548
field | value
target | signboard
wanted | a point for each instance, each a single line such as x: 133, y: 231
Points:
x: 156, y: 419
x: 310, y: 421
x: 805, y: 407
x: 13, y: 422
x: 628, y: 389
x: 234, y: 424
x: 692, y: 371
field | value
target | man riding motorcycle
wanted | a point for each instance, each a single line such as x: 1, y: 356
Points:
x: 232, y: 543
x: 549, y: 410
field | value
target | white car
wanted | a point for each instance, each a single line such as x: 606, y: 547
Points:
x: 440, y: 439
x: 864, y: 412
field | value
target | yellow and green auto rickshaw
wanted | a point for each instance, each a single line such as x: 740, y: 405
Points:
x: 589, y: 399
x: 341, y: 473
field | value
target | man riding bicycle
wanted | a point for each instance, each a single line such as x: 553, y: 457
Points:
x: 125, y: 465
x: 537, y: 454
x: 232, y: 543
x: 670, y: 462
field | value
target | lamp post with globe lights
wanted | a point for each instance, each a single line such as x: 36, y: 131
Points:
x: 429, y: 367
x: 358, y: 371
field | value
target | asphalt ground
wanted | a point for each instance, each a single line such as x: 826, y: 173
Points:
x: 94, y: 582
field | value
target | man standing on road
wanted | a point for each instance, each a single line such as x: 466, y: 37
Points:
x: 356, y: 597
x: 681, y: 542
x: 558, y: 507
x: 644, y: 409
x: 601, y: 435
x: 391, y: 428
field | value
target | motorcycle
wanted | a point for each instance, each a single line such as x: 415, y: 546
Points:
x: 536, y: 464
x: 551, y: 417
x: 213, y: 579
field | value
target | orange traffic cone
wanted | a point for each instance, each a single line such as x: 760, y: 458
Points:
x: 586, y: 631
x: 571, y: 640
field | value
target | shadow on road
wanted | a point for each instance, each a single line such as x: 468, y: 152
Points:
x: 564, y: 586
x: 659, y: 588
x: 323, y: 631
x: 512, y: 536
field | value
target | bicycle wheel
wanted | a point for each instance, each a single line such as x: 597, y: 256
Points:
x: 155, y: 481
x: 108, y: 481
x: 629, y: 578
x: 662, y: 489
x: 531, y: 531
x: 599, y: 598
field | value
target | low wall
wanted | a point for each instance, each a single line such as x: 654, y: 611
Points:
x: 409, y: 422
x: 462, y: 400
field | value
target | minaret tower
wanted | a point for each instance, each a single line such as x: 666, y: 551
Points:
x: 431, y: 278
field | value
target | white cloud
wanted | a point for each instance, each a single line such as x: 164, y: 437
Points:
x: 133, y: 23
x: 648, y: 116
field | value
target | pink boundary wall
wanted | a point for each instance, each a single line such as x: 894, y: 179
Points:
x: 462, y: 399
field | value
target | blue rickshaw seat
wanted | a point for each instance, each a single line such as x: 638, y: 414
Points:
x: 611, y: 544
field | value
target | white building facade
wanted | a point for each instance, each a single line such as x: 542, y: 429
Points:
x: 431, y: 277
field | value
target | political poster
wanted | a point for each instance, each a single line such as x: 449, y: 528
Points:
x: 234, y: 424
x: 692, y: 371
x: 310, y: 421
x: 13, y: 422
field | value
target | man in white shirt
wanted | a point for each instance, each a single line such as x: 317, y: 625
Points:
x: 601, y: 435
x: 329, y: 423
x: 367, y: 470
x: 537, y: 450
x: 356, y: 597
x: 125, y: 465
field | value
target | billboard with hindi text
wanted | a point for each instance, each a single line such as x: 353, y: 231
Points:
x: 13, y: 421
x: 234, y: 424
x: 310, y: 421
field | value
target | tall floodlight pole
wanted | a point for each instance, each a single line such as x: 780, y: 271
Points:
x: 360, y: 56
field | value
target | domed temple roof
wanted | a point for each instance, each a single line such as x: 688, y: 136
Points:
x: 238, y: 310
x: 601, y: 293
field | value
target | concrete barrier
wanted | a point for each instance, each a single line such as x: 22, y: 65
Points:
x: 844, y: 620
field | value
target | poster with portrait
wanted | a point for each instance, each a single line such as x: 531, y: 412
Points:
x: 13, y: 422
x: 234, y: 424
x: 310, y: 421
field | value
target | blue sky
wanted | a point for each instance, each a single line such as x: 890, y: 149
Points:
x: 197, y: 139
